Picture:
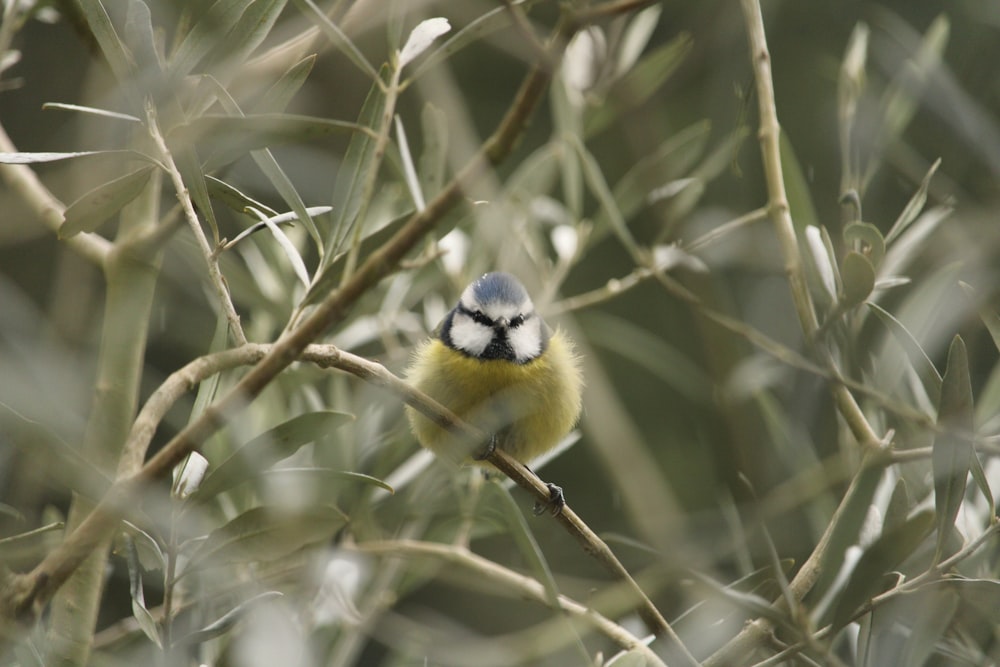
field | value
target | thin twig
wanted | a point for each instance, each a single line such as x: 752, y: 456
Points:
x: 209, y: 254
x: 508, y: 579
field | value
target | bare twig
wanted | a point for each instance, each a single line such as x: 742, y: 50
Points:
x: 508, y: 579
x: 209, y: 254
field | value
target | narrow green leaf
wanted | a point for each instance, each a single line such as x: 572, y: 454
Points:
x: 96, y: 207
x: 914, y: 206
x: 142, y: 616
x: 33, y: 158
x: 898, y: 508
x: 116, y: 115
x: 234, y: 198
x: 205, y: 34
x: 800, y: 202
x: 225, y: 138
x: 672, y: 159
x: 951, y: 455
x: 329, y: 276
x: 639, y: 84
x: 280, y: 94
x: 268, y: 448
x: 227, y: 621
x: 141, y: 40
x: 275, y: 174
x: 609, y: 207
x: 928, y: 374
x: 267, y: 534
x: 151, y: 557
x: 858, y: 276
x: 121, y: 62
x: 326, y: 477
x: 354, y: 170
x: 193, y: 175
x: 885, y: 554
x: 251, y: 29
x: 337, y: 37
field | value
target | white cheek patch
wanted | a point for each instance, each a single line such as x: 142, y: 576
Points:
x: 526, y: 340
x: 469, y: 336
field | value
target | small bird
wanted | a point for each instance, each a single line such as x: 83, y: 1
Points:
x: 496, y: 364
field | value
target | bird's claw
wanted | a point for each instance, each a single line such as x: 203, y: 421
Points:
x: 487, y: 451
x: 555, y: 503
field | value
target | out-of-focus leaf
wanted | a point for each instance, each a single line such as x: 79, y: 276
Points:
x: 142, y: 616
x: 644, y: 79
x: 193, y: 175
x: 885, y: 554
x: 899, y: 104
x: 291, y: 252
x: 151, y: 557
x: 27, y: 544
x: 121, y: 62
x: 359, y: 159
x: 668, y: 162
x: 858, y: 276
x: 409, y: 170
x: 980, y: 597
x: 234, y: 198
x: 866, y: 239
x: 227, y: 621
x: 434, y: 158
x: 98, y: 206
x: 337, y: 37
x: 598, y: 185
x: 276, y: 175
x: 933, y: 615
x: 92, y: 110
x: 928, y: 374
x: 490, y: 22
x: 33, y: 158
x: 231, y: 137
x: 326, y: 477
x: 329, y: 276
x: 913, y: 207
x: 268, y: 448
x: 850, y: 86
x: 421, y: 38
x: 280, y: 94
x: 898, y: 508
x: 252, y: 27
x: 285, y: 219
x: 797, y: 188
x: 951, y: 456
x: 205, y: 34
x: 266, y: 534
x: 140, y: 38
x: 654, y: 354
x: 631, y: 658
x: 636, y: 38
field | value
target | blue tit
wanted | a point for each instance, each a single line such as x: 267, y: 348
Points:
x: 495, y: 363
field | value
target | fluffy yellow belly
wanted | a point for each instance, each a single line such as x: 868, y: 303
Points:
x: 528, y: 407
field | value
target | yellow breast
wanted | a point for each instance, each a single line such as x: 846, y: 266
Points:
x: 528, y: 407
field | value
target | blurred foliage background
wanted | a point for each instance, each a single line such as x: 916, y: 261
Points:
x: 711, y: 455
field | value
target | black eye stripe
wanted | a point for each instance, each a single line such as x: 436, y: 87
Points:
x: 477, y: 316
